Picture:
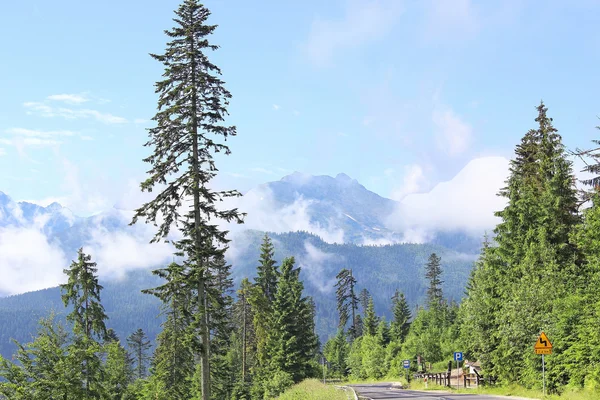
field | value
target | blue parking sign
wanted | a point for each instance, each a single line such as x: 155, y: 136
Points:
x: 406, y: 363
x: 458, y: 356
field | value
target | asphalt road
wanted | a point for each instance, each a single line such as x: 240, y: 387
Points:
x: 384, y: 391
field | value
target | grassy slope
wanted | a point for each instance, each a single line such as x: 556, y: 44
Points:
x: 312, y: 389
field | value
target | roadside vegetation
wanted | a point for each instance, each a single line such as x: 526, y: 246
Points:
x: 313, y: 389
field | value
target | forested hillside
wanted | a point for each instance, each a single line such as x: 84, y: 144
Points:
x: 387, y: 268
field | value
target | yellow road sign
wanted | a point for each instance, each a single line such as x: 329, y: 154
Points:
x: 543, y: 345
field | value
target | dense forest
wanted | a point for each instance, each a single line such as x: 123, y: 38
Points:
x: 384, y: 267
x: 539, y: 272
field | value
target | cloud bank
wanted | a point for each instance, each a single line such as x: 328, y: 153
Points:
x: 467, y: 202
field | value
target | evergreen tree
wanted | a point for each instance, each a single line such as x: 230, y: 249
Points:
x: 119, y: 371
x: 244, y: 316
x: 401, y: 317
x: 525, y: 283
x: 44, y: 369
x: 433, y: 271
x: 347, y: 302
x: 267, y: 270
x: 383, y: 333
x: 292, y: 342
x: 82, y: 291
x: 173, y: 361
x: 364, y: 296
x: 220, y: 306
x: 191, y: 107
x: 336, y: 351
x: 371, y: 320
x: 139, y: 344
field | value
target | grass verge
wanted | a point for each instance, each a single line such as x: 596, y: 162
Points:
x: 313, y: 389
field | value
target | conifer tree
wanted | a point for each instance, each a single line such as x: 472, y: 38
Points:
x: 371, y: 320
x: 173, y: 361
x: 292, y: 342
x: 118, y: 371
x: 521, y: 285
x: 364, y: 297
x: 245, y: 329
x: 433, y: 271
x: 267, y: 271
x: 401, y: 317
x: 191, y: 108
x: 82, y: 291
x: 44, y: 369
x: 347, y: 302
x: 139, y: 344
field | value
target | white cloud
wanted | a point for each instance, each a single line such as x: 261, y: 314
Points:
x: 119, y: 252
x: 314, y: 264
x: 363, y: 22
x: 466, y: 202
x: 296, y: 112
x: 453, y: 134
x: 266, y: 215
x: 2, y: 152
x: 45, y: 110
x: 69, y: 98
x: 414, y: 181
x: 25, y: 270
x: 276, y: 107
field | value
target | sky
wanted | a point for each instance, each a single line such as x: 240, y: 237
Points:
x: 400, y: 95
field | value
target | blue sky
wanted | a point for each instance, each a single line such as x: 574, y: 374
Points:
x: 400, y: 95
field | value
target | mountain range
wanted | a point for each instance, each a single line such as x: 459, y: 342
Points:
x: 324, y: 222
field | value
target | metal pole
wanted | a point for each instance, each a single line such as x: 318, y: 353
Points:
x: 323, y: 373
x: 457, y: 374
x: 544, y: 375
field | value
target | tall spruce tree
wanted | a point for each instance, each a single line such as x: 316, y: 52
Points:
x: 401, y: 317
x: 245, y: 328
x: 433, y: 272
x: 292, y: 341
x: 521, y: 286
x: 364, y: 296
x: 82, y: 292
x: 191, y: 108
x: 267, y: 271
x: 347, y: 301
x: 140, y: 345
x: 371, y: 320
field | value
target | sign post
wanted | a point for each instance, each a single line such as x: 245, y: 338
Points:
x: 543, y: 347
x: 458, y: 356
x: 406, y: 365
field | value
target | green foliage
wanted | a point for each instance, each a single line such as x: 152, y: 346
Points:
x: 401, y: 317
x: 313, y: 389
x: 267, y: 271
x: 118, y: 371
x: 139, y: 345
x: 433, y: 272
x: 370, y: 321
x: 336, y: 352
x: 347, y: 301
